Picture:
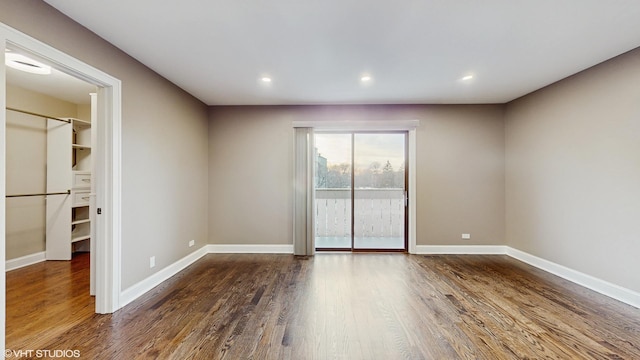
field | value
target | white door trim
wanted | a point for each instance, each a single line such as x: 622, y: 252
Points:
x: 108, y: 164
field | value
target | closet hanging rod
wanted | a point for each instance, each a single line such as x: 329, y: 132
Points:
x: 68, y: 192
x: 36, y: 114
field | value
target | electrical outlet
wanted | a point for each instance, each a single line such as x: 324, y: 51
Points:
x: 466, y: 236
x: 152, y: 262
x: 191, y: 243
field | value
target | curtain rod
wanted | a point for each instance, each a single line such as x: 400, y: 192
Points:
x: 36, y: 114
x: 68, y: 192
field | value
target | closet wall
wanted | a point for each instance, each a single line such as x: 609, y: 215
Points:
x: 26, y: 166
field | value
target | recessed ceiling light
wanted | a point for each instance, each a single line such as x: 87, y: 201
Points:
x: 265, y: 79
x: 468, y: 77
x: 365, y: 78
x: 23, y: 63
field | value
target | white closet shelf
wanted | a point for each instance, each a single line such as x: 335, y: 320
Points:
x: 83, y: 221
x: 80, y: 238
x: 79, y: 146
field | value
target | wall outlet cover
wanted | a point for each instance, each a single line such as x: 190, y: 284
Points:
x: 152, y: 262
x: 191, y: 243
x: 466, y: 236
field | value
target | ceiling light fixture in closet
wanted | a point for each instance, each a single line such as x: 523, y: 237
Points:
x: 26, y: 64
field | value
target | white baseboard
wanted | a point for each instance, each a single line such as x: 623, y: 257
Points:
x: 603, y: 287
x: 25, y: 261
x: 137, y: 290
x: 250, y: 249
x: 614, y: 291
x: 461, y: 249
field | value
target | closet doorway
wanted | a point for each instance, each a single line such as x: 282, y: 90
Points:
x: 361, y: 191
x: 49, y: 164
x: 107, y: 158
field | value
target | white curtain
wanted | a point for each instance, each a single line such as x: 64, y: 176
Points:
x: 304, y: 220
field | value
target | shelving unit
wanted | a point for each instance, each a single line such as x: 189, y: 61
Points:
x: 81, y: 185
x: 80, y: 224
x: 69, y: 166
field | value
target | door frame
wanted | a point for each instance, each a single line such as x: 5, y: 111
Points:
x: 107, y: 160
x: 353, y: 134
x: 378, y: 125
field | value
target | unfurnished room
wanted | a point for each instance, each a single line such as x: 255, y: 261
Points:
x: 320, y: 180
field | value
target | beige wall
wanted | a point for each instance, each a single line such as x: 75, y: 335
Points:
x: 164, y: 144
x: 573, y: 172
x: 26, y: 156
x: 460, y: 175
x: 84, y: 112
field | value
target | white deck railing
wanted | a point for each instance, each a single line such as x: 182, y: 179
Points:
x: 379, y: 213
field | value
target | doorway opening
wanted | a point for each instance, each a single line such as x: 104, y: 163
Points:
x: 360, y: 191
x: 107, y: 164
x: 49, y: 233
x: 50, y: 130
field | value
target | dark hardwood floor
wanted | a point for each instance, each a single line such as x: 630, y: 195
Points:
x: 331, y: 306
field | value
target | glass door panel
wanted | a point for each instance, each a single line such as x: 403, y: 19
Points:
x: 379, y: 191
x: 333, y: 183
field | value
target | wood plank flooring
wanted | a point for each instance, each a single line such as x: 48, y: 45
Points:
x: 330, y: 306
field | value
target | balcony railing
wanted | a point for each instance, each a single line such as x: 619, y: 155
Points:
x: 379, y: 216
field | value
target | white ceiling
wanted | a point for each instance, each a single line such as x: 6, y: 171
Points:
x: 317, y: 50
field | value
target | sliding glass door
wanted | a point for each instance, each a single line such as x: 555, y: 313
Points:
x: 360, y: 191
